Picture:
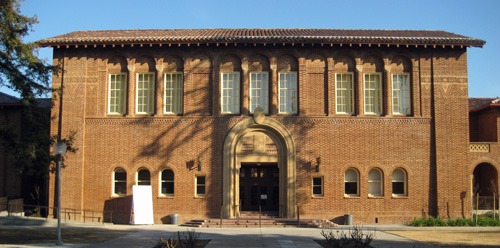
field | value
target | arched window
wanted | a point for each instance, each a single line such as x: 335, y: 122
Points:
x: 167, y: 182
x: 375, y: 183
x: 399, y: 182
x: 351, y: 182
x: 143, y: 177
x: 120, y: 182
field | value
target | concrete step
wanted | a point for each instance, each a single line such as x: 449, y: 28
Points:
x: 263, y: 222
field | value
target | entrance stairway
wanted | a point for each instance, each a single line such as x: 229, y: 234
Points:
x: 250, y: 219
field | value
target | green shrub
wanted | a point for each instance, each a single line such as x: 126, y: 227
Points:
x: 418, y: 222
x: 481, y: 221
x: 485, y: 221
x: 462, y: 222
x: 451, y: 223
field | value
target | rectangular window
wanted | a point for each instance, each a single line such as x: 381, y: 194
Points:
x: 145, y: 93
x: 317, y: 186
x: 200, y: 186
x: 344, y: 93
x: 401, y: 94
x: 230, y: 92
x: 117, y: 93
x: 287, y: 92
x: 259, y: 91
x: 173, y: 93
x: 373, y: 93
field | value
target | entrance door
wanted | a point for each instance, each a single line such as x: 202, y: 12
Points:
x: 259, y: 186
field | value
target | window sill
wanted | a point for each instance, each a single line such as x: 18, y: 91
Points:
x: 399, y: 197
x: 317, y: 197
x: 369, y: 115
x: 200, y: 197
x: 111, y: 115
x: 351, y: 197
x: 375, y: 197
x: 117, y: 196
x: 166, y: 197
x: 345, y: 114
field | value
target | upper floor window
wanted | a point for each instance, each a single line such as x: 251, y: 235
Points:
x: 287, y: 92
x: 117, y: 103
x: 119, y: 182
x: 399, y: 182
x: 259, y: 91
x: 373, y: 93
x: 344, y: 93
x: 173, y: 92
x: 143, y: 177
x: 401, y: 94
x: 167, y: 182
x: 375, y: 183
x: 351, y: 182
x: 230, y: 92
x: 145, y: 93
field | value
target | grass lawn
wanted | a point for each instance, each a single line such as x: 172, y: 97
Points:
x: 462, y: 237
x: 34, y: 235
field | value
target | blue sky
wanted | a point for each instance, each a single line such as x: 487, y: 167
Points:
x: 475, y: 18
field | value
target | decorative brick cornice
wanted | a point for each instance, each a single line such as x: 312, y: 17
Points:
x: 231, y: 121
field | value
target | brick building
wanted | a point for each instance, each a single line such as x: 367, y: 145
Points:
x: 19, y: 186
x: 313, y: 121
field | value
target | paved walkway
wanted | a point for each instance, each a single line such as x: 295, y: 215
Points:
x: 147, y: 235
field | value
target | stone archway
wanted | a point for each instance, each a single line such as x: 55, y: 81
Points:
x: 285, y: 159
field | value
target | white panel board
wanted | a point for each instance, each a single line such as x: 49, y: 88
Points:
x: 143, y: 204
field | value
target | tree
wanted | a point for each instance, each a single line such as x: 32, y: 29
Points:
x: 20, y: 69
x: 23, y: 72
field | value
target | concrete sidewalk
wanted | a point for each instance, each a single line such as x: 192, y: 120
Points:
x: 147, y: 236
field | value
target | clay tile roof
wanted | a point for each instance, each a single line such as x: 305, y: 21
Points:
x: 9, y: 100
x: 221, y: 35
x: 478, y: 103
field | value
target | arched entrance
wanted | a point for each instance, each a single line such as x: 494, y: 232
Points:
x: 485, y: 185
x: 262, y: 131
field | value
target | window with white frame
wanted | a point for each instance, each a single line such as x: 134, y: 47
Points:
x: 259, y: 91
x: 167, y: 182
x: 143, y: 177
x: 230, y: 92
x: 120, y: 182
x: 200, y: 185
x: 117, y: 103
x: 351, y: 182
x: 373, y: 93
x: 399, y: 182
x: 287, y: 92
x: 317, y: 186
x: 375, y: 183
x: 145, y: 93
x: 344, y: 93
x: 401, y: 94
x: 173, y: 92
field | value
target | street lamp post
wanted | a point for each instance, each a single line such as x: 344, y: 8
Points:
x: 60, y: 149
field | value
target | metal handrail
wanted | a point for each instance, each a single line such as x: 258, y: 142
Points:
x: 66, y: 212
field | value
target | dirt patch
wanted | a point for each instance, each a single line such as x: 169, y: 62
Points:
x: 469, y: 237
x: 34, y: 235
